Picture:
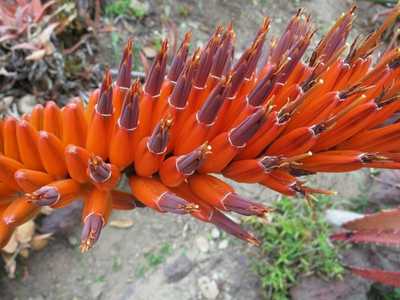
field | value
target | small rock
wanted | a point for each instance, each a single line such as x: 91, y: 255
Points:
x: 215, y: 233
x: 223, y: 244
x: 202, y: 244
x: 73, y: 241
x: 338, y: 217
x: 96, y: 289
x: 149, y: 52
x: 26, y: 103
x: 121, y: 223
x: 209, y: 288
x: 62, y: 220
x: 178, y: 269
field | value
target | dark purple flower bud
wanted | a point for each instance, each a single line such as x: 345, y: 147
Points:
x: 188, y: 164
x: 155, y: 76
x: 46, y: 195
x: 92, y: 226
x: 226, y: 224
x: 240, y: 135
x: 125, y: 68
x: 130, y: 109
x: 159, y: 139
x: 179, y: 60
x: 209, y: 110
x: 169, y: 202
x: 105, y: 106
x: 240, y: 205
x: 98, y: 170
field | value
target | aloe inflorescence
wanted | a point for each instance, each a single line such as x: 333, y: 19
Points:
x: 269, y: 117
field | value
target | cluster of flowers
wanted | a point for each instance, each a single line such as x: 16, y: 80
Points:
x: 267, y: 118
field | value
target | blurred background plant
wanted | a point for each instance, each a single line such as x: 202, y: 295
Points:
x: 38, y: 43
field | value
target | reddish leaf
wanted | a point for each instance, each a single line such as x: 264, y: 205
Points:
x: 381, y: 276
x: 25, y: 46
x: 381, y: 221
x: 7, y: 37
x: 384, y: 237
x: 38, y: 9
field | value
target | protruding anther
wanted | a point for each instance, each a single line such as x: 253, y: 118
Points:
x: 46, y: 195
x: 188, y: 164
x: 98, y: 170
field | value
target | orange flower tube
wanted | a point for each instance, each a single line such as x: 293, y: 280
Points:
x: 10, y: 142
x: 51, y: 152
x: 227, y: 144
x: 96, y: 211
x: 77, y: 160
x: 125, y: 129
x: 155, y: 195
x: 102, y: 121
x: 52, y: 119
x: 176, y: 169
x: 27, y: 138
x: 222, y: 196
x: 30, y: 180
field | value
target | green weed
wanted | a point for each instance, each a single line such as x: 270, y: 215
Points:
x: 295, y: 244
x: 126, y: 8
x: 153, y: 259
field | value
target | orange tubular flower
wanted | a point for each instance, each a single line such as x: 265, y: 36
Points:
x: 155, y: 195
x: 176, y: 169
x: 30, y: 180
x: 52, y: 119
x: 96, y: 211
x: 18, y: 212
x: 102, y: 120
x: 56, y: 194
x: 36, y: 119
x: 104, y: 176
x: 169, y: 84
x: 227, y: 145
x: 222, y: 196
x: 8, y: 167
x: 74, y: 128
x: 209, y: 214
x: 151, y: 150
x: 125, y: 129
x: 77, y: 160
x: 10, y: 143
x: 123, y: 82
x: 196, y: 128
x: 27, y: 138
x: 266, y: 121
x: 51, y: 153
x: 152, y: 91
